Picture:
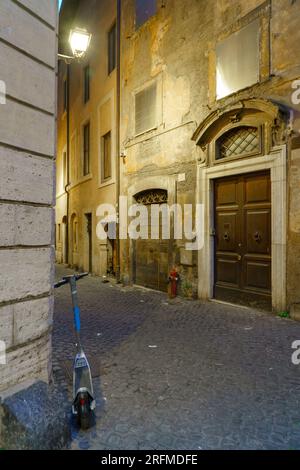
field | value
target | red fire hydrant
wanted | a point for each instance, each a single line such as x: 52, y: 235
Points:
x: 173, y: 282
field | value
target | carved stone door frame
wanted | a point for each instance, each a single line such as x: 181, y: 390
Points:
x: 276, y: 163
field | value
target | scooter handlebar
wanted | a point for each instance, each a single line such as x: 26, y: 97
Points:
x: 60, y: 283
x: 66, y: 279
x: 80, y: 276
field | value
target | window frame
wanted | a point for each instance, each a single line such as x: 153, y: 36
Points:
x: 155, y: 119
x: 214, y: 150
x: 262, y: 13
x: 104, y: 178
x: 86, y: 83
x: 112, y: 49
x: 86, y: 151
x: 65, y: 169
x: 234, y: 36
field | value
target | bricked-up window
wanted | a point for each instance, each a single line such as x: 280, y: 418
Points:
x: 106, y: 157
x: 112, y: 48
x: 145, y: 109
x: 86, y: 83
x: 86, y: 149
x: 65, y: 169
x: 144, y: 9
x: 238, y: 60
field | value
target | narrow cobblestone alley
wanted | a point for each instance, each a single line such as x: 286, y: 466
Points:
x: 180, y: 374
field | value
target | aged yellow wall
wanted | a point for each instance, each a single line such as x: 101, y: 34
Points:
x: 86, y: 193
x: 176, y: 47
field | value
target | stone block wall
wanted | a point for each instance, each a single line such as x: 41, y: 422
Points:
x: 28, y: 47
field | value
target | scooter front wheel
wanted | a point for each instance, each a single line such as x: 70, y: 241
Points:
x: 84, y: 412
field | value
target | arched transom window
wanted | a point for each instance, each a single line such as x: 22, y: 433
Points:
x: 152, y: 196
x: 241, y: 141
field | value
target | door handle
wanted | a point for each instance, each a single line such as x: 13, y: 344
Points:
x: 239, y: 258
x: 257, y: 237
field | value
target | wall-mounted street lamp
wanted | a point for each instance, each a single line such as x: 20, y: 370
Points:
x: 79, y: 41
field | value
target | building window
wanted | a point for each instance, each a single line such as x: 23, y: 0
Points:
x: 58, y: 234
x: 238, y: 60
x: 75, y: 234
x: 240, y: 142
x: 65, y: 95
x: 144, y: 9
x: 112, y: 48
x: 145, y: 109
x: 86, y: 149
x: 65, y: 170
x: 86, y: 83
x: 106, y: 157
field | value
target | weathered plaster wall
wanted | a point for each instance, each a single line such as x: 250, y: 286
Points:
x: 177, y: 48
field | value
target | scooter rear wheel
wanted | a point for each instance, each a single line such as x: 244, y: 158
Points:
x: 84, y: 411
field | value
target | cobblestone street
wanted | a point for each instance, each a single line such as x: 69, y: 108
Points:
x: 180, y: 374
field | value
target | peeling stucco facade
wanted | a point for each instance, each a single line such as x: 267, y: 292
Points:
x: 177, y: 49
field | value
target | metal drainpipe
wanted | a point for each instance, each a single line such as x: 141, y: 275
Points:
x: 118, y: 136
x: 68, y: 162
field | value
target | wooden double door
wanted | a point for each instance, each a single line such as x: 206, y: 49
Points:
x: 243, y: 240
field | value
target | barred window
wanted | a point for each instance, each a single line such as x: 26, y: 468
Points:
x: 241, y: 141
x: 152, y: 196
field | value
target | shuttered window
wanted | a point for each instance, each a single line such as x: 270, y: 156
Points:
x: 112, y: 48
x: 86, y: 149
x: 106, y: 157
x: 145, y: 109
x: 65, y: 170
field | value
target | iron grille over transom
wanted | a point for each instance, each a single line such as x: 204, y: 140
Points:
x: 152, y: 196
x: 241, y: 141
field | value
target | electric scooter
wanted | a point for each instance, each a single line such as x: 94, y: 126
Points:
x: 83, y: 394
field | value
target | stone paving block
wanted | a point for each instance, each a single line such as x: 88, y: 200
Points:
x: 221, y: 377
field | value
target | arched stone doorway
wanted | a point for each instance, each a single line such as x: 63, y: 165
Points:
x: 151, y: 256
x: 242, y: 185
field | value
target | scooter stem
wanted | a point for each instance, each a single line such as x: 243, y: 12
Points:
x: 76, y: 312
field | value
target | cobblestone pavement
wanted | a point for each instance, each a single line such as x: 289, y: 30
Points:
x: 181, y: 374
